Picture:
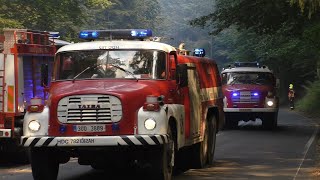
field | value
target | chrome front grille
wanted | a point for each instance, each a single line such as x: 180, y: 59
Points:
x: 89, y: 108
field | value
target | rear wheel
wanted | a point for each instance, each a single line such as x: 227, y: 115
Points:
x: 44, y: 164
x: 212, y: 139
x: 200, y: 150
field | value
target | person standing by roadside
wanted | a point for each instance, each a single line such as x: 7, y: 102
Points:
x: 291, y: 95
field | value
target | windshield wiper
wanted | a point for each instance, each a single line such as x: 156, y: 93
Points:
x: 124, y: 70
x: 86, y: 69
x: 113, y: 65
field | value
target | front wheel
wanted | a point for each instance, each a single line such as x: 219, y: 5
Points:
x: 162, y: 165
x: 44, y: 164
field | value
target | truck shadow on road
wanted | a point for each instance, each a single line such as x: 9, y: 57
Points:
x: 9, y: 160
x: 135, y: 173
x: 237, y: 168
x: 250, y: 152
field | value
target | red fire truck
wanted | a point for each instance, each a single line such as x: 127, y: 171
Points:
x: 24, y: 55
x: 250, y: 92
x: 125, y: 100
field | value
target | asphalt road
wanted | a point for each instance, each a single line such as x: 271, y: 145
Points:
x: 289, y: 152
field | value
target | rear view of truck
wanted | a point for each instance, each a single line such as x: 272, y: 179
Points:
x: 24, y: 55
x: 249, y: 93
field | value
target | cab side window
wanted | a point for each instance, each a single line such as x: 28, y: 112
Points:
x: 172, y: 66
x: 161, y: 66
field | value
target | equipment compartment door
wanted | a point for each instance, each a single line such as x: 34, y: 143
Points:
x: 195, y: 101
x: 1, y: 81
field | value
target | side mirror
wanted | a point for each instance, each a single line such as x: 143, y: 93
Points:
x: 182, y: 75
x: 44, y: 75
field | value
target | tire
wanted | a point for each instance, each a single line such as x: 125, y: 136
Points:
x: 212, y: 140
x: 270, y: 121
x: 44, y: 164
x: 200, y: 150
x: 162, y: 165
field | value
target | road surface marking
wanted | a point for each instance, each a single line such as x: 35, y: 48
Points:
x: 308, y: 144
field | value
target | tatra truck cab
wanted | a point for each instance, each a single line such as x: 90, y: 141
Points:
x: 123, y: 99
x: 249, y: 92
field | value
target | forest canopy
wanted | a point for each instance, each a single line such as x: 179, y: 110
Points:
x: 281, y: 34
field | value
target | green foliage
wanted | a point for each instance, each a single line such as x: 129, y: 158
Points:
x: 69, y: 17
x: 101, y: 4
x: 8, y: 23
x: 310, y: 103
x: 262, y: 16
x: 174, y: 23
x: 274, y: 32
x: 132, y: 14
x: 50, y: 15
x: 311, y: 6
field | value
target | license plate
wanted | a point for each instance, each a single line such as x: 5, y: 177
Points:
x: 89, y: 128
x: 245, y: 110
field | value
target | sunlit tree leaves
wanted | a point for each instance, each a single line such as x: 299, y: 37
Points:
x: 308, y: 6
x: 50, y: 15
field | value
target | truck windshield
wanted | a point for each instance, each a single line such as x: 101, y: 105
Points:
x: 259, y: 78
x: 93, y: 64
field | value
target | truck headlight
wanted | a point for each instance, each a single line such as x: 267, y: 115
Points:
x: 150, y: 124
x: 34, y: 125
x: 270, y: 103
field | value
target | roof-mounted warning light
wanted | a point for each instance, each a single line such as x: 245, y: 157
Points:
x: 129, y: 34
x: 246, y: 64
x: 54, y: 35
x: 199, y: 52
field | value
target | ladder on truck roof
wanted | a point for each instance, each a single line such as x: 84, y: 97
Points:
x: 20, y: 38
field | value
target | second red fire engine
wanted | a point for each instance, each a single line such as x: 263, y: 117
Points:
x: 250, y: 92
x: 24, y: 57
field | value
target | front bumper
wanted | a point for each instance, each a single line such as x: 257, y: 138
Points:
x: 5, y: 133
x: 74, y: 141
x: 250, y: 110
